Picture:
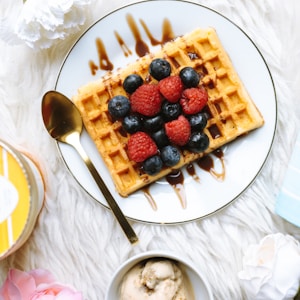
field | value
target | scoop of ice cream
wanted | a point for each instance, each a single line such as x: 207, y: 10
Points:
x: 156, y: 279
x: 162, y: 277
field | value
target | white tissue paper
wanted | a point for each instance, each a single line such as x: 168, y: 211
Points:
x: 271, y: 269
x: 41, y: 23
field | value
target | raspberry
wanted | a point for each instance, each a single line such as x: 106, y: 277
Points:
x: 171, y: 88
x: 146, y: 100
x: 193, y: 100
x: 178, y: 131
x: 141, y: 146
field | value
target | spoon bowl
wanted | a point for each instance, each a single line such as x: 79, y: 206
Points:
x: 60, y: 116
x: 63, y: 121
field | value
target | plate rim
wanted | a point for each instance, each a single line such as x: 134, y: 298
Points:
x: 238, y: 195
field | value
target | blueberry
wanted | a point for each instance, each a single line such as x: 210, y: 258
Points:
x: 159, y: 68
x: 152, y: 165
x: 171, y: 111
x: 170, y: 155
x: 189, y: 77
x: 198, y: 121
x: 132, y: 82
x: 198, y: 142
x: 153, y: 124
x: 132, y: 123
x: 160, y: 138
x: 119, y: 106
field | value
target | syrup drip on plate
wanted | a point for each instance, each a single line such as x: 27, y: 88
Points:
x: 150, y: 198
x: 190, y: 168
x: 93, y: 67
x: 141, y: 46
x: 206, y: 163
x: 123, y: 45
x: 167, y: 33
x: 176, y: 180
x: 104, y: 62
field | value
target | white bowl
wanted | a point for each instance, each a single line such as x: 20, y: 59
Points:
x: 201, y: 288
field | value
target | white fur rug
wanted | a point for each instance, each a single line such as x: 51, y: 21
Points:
x: 77, y: 239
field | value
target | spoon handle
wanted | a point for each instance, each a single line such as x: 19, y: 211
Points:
x: 74, y: 140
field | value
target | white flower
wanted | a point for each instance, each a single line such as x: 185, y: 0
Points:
x: 271, y: 269
x: 41, y: 23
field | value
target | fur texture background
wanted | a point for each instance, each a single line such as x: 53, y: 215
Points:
x: 77, y: 239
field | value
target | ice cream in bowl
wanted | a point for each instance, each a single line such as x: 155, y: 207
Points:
x: 159, y: 275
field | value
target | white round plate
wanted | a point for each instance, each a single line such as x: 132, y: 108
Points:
x: 243, y: 158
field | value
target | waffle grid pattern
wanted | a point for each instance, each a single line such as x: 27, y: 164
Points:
x: 231, y: 111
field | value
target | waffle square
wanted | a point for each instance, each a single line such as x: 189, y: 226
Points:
x: 231, y: 111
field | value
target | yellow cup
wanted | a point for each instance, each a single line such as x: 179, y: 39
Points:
x: 21, y: 198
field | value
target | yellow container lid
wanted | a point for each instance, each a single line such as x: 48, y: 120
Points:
x: 20, y: 198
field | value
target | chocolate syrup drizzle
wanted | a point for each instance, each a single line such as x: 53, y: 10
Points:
x: 206, y: 163
x: 176, y: 178
x: 149, y: 197
x: 126, y: 50
x: 141, y: 46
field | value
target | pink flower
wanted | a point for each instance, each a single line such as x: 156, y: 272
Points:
x: 35, y: 285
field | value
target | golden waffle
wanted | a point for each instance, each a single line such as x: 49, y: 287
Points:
x: 231, y: 111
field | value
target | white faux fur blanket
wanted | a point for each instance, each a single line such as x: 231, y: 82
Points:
x: 77, y: 239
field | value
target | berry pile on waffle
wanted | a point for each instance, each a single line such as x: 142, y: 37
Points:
x: 166, y: 110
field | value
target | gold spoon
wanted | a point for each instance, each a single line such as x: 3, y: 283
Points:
x: 64, y: 123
